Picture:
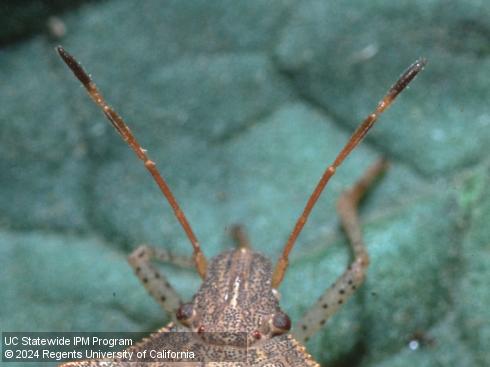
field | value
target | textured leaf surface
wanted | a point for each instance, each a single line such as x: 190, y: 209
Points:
x: 242, y: 107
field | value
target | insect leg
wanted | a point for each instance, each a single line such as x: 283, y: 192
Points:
x: 153, y: 280
x: 352, y: 278
x: 167, y: 257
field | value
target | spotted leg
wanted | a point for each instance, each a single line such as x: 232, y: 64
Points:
x: 353, y: 277
x: 152, y: 279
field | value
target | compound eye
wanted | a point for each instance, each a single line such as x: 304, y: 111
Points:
x: 281, y: 323
x: 185, y: 313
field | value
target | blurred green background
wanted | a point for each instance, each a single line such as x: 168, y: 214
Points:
x: 242, y: 105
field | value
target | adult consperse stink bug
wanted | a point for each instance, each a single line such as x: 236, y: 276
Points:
x: 239, y: 290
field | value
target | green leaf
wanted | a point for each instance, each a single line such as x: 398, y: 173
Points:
x: 242, y: 107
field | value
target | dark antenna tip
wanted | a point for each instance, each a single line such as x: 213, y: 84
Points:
x: 417, y: 66
x: 75, y: 67
x: 403, y: 81
x: 421, y: 62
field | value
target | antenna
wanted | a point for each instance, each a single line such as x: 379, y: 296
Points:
x: 129, y: 138
x: 354, y: 140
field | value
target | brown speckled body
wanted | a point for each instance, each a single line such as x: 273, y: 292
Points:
x: 235, y: 298
x: 236, y: 294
